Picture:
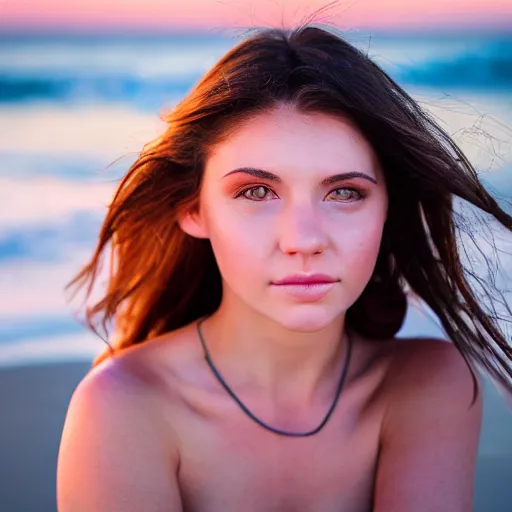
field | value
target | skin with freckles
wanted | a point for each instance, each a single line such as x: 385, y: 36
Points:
x: 287, y: 195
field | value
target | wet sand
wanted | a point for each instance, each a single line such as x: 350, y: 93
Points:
x: 33, y: 401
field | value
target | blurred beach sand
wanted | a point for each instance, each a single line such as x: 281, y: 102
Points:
x: 34, y: 402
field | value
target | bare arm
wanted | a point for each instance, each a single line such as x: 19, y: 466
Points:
x: 430, y: 434
x: 116, y: 454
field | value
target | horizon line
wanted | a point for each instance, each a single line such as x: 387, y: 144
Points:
x: 498, y: 29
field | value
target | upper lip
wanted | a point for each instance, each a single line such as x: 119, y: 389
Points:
x: 306, y: 279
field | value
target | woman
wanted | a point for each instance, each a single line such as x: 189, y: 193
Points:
x: 262, y: 249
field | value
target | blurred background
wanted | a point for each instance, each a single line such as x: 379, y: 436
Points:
x: 82, y: 86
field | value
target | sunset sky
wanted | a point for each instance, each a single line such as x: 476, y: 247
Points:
x: 189, y: 14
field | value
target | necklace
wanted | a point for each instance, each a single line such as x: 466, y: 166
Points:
x: 257, y: 420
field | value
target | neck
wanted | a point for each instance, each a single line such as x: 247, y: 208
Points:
x: 252, y: 351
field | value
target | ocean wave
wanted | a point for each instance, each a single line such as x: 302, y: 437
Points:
x: 33, y: 327
x: 74, y: 167
x: 39, y: 201
x: 68, y: 347
x: 50, y: 242
x: 86, y: 89
x: 487, y: 66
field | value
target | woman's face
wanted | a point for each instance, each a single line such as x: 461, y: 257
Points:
x: 293, y: 196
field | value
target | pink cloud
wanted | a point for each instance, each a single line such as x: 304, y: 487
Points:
x: 215, y: 13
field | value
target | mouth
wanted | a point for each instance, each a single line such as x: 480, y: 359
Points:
x: 305, y: 288
x: 302, y: 279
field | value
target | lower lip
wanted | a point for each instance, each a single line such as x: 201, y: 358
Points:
x: 305, y: 291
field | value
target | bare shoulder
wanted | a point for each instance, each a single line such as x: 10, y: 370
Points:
x: 158, y: 365
x: 118, y: 448
x: 430, y: 429
x: 426, y: 366
x: 142, y: 381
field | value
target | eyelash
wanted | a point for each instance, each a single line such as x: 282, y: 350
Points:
x: 241, y: 193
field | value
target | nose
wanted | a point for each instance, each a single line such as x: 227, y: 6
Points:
x: 300, y: 231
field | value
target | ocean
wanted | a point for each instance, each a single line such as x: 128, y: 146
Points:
x: 76, y: 110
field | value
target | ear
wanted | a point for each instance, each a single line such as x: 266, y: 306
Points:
x: 193, y: 224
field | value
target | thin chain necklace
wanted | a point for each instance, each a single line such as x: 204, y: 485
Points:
x: 257, y: 420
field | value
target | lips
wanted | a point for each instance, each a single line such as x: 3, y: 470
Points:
x: 302, y: 279
x: 304, y: 288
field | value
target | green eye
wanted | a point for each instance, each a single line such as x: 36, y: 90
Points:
x: 257, y: 193
x: 345, y: 194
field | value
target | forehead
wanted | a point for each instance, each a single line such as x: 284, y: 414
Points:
x: 285, y: 138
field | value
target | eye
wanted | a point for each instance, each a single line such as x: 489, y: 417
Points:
x: 346, y: 194
x: 259, y: 193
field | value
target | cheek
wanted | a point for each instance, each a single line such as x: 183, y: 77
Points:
x: 239, y: 243
x: 359, y: 247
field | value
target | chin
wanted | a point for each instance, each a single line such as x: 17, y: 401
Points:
x: 305, y: 318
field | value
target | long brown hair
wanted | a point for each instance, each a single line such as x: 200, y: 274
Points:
x: 160, y: 278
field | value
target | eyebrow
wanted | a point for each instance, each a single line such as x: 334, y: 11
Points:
x: 270, y: 176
